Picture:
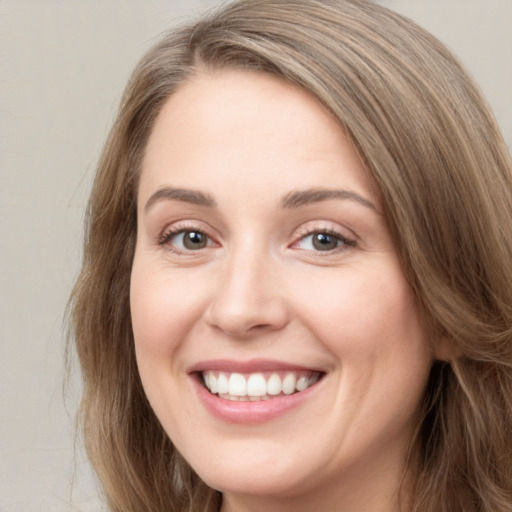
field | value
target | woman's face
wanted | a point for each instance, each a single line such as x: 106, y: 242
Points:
x: 264, y: 267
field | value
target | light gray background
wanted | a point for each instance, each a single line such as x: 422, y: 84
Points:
x: 63, y: 65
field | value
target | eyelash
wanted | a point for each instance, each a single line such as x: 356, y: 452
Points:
x: 344, y: 242
x: 174, y: 231
x: 167, y: 236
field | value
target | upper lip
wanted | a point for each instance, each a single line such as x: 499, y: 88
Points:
x: 251, y: 366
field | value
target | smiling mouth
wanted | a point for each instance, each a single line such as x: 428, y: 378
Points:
x: 258, y: 386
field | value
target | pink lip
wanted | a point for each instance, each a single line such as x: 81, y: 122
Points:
x: 247, y: 412
x: 252, y: 366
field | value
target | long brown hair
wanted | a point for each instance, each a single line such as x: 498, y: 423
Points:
x: 433, y: 148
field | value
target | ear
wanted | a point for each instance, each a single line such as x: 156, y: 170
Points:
x: 445, y: 349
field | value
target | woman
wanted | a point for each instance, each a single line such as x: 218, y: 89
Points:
x: 296, y: 290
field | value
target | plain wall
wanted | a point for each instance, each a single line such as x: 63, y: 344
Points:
x: 63, y: 65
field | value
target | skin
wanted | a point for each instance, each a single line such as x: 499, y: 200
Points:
x: 261, y: 289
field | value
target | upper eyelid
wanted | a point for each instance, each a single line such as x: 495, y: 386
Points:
x: 323, y: 226
x: 305, y: 229
x: 178, y: 227
x: 186, y: 225
x: 345, y: 241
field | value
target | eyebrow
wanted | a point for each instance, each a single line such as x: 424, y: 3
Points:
x: 181, y: 194
x: 299, y: 198
x: 294, y: 199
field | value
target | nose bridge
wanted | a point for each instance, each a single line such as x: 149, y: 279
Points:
x: 247, y: 298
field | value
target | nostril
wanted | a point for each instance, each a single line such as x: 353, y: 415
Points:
x: 260, y: 327
x: 247, y: 320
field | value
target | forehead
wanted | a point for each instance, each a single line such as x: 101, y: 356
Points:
x: 222, y: 101
x: 251, y: 124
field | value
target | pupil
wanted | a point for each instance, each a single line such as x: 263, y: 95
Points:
x: 194, y: 240
x: 324, y: 242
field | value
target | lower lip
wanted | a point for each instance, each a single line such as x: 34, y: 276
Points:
x: 247, y: 412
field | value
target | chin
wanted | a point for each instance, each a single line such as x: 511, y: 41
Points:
x: 255, y: 483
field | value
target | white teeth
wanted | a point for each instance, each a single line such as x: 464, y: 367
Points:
x: 222, y: 384
x: 288, y: 384
x: 313, y: 379
x: 213, y: 383
x: 302, y: 383
x: 237, y: 385
x: 258, y: 386
x: 274, y: 384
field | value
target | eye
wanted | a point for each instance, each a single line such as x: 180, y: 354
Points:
x: 186, y: 240
x: 323, y: 241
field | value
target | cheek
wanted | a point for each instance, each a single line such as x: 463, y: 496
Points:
x: 163, y: 309
x: 373, y: 304
x: 370, y: 322
x: 372, y: 326
x: 162, y: 312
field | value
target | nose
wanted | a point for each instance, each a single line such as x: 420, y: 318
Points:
x: 248, y: 300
